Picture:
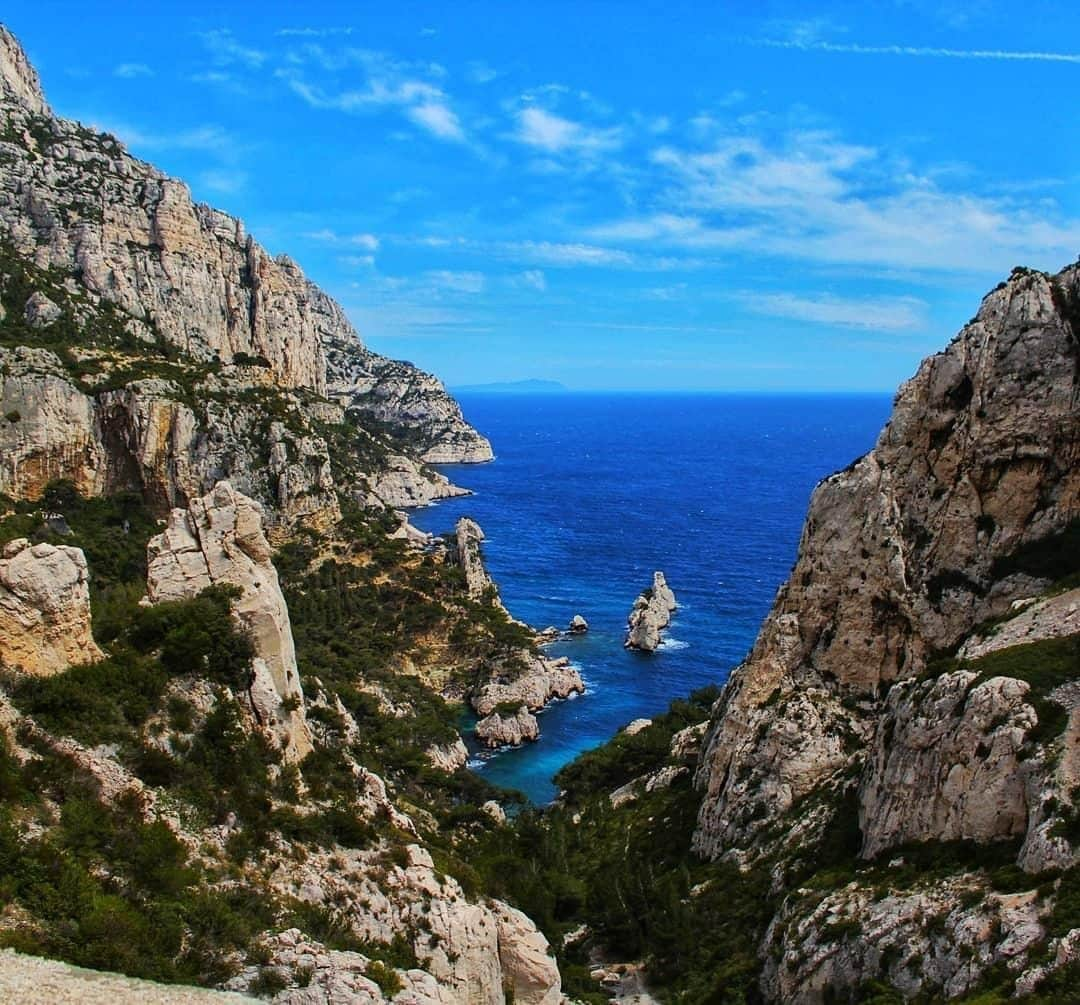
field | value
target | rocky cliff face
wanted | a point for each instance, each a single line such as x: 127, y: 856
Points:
x: 904, y: 553
x: 126, y: 266
x: 916, y: 680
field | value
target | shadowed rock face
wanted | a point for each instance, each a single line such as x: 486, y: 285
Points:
x: 901, y: 554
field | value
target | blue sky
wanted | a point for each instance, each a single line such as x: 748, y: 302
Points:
x: 614, y: 195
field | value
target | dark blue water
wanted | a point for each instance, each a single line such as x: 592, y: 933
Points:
x: 592, y: 492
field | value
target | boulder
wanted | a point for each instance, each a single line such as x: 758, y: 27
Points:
x: 578, y: 625
x: 44, y: 608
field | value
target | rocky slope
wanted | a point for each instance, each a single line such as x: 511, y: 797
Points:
x: 242, y: 763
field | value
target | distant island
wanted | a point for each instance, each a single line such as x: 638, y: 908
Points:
x: 513, y: 387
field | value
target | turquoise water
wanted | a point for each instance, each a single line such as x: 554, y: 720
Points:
x: 590, y: 493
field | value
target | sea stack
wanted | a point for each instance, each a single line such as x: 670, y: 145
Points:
x: 578, y: 625
x: 651, y: 613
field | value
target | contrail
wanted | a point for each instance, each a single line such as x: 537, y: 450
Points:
x: 911, y: 50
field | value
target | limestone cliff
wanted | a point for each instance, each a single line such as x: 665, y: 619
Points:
x: 106, y: 256
x: 904, y: 553
x: 916, y: 683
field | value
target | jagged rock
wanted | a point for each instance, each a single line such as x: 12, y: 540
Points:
x: 650, y: 615
x: 471, y: 950
x: 527, y: 966
x: 316, y: 975
x: 549, y: 634
x: 1046, y: 618
x: 41, y: 311
x: 466, y: 552
x: 220, y: 540
x: 495, y: 811
x: 637, y: 726
x: 448, y: 757
x: 508, y: 729
x: 404, y: 484
x: 947, y: 763
x: 44, y: 608
x: 940, y: 939
x: 686, y: 743
x: 901, y: 555
x: 578, y: 625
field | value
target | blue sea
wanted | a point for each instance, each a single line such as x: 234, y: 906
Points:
x: 590, y: 493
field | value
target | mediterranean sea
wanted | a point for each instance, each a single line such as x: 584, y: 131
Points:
x: 590, y: 493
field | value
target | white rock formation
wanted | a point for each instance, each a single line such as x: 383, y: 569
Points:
x: 508, y: 729
x: 578, y: 625
x: 44, y: 608
x: 650, y: 615
x: 220, y: 539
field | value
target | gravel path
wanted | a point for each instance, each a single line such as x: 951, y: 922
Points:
x: 30, y: 980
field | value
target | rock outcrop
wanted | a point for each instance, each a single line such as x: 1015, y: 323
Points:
x: 466, y: 554
x: 220, y: 539
x: 578, y: 625
x: 650, y: 615
x: 902, y: 554
x: 503, y: 727
x: 44, y: 608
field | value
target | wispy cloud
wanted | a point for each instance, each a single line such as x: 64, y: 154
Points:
x: 891, y: 314
x: 478, y: 72
x: 855, y: 48
x: 457, y: 282
x: 222, y: 181
x: 309, y: 32
x: 225, y: 49
x: 810, y: 195
x: 129, y: 71
x: 389, y: 83
x: 554, y: 134
x: 368, y: 242
x: 530, y: 279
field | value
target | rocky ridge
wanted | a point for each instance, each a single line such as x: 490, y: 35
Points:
x: 102, y: 249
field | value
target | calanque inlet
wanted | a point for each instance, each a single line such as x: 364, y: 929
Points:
x: 233, y: 673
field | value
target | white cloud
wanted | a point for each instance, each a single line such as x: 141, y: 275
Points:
x: 565, y: 254
x: 812, y: 196
x: 438, y: 119
x: 225, y: 49
x: 131, y: 70
x: 532, y: 279
x: 369, y: 242
x: 885, y: 314
x: 390, y: 83
x: 554, y: 134
x: 478, y: 72
x: 853, y: 48
x: 223, y: 181
x: 358, y: 261
x: 457, y: 282
x: 313, y: 32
